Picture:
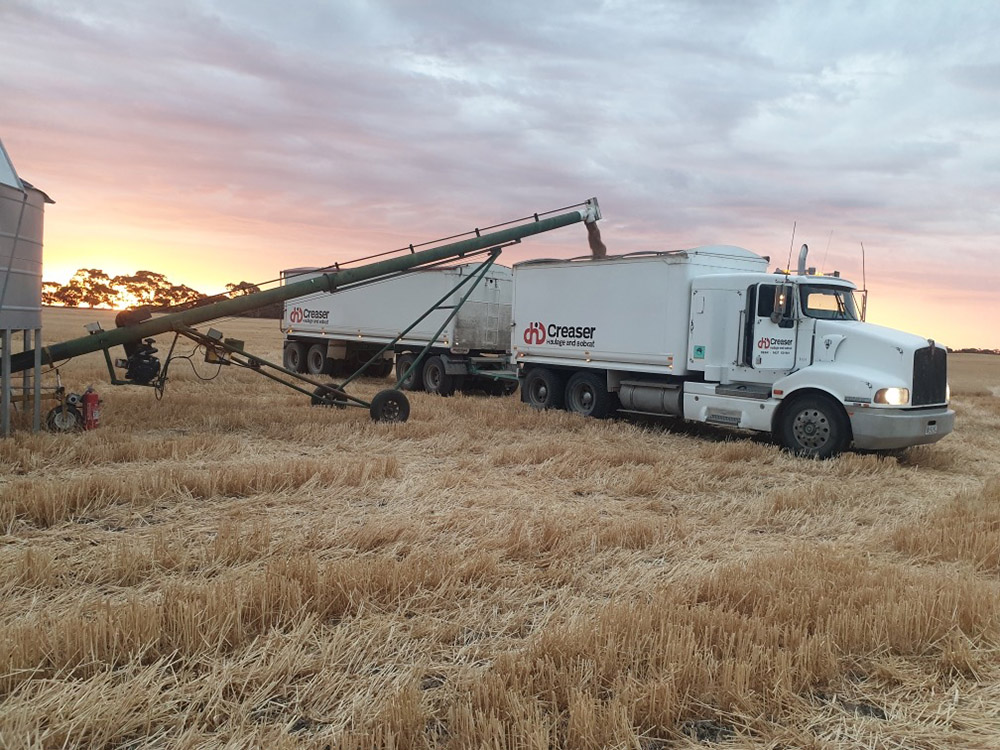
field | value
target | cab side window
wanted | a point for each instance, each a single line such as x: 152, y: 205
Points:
x: 765, y: 300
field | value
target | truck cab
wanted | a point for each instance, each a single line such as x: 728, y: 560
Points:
x: 824, y: 378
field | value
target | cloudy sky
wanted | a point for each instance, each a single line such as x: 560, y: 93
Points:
x: 219, y: 141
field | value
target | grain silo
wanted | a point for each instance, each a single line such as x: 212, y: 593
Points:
x: 22, y: 209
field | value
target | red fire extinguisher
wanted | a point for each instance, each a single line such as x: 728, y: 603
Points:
x: 91, y: 409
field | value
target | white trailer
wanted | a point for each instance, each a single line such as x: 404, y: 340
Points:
x: 337, y: 333
x: 709, y: 335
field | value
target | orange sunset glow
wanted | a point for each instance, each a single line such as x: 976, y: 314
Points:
x: 222, y: 147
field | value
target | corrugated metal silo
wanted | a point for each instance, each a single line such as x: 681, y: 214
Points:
x: 22, y: 209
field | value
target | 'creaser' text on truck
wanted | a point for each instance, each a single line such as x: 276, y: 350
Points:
x: 706, y: 335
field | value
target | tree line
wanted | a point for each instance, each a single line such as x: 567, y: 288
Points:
x: 92, y: 287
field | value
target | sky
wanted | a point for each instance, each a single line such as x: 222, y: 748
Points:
x: 218, y: 141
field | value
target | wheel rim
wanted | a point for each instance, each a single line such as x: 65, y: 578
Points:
x: 64, y: 421
x: 390, y: 411
x: 582, y: 398
x: 811, y: 429
x: 316, y: 362
x: 404, y: 365
x: 539, y: 392
x: 433, y: 377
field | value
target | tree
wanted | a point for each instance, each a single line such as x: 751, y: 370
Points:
x: 243, y: 288
x: 91, y: 287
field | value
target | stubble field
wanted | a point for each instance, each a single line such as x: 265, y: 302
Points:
x: 230, y: 567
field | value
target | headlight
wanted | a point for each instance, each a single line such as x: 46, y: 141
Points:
x: 893, y: 396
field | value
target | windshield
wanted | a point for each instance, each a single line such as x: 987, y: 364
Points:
x: 828, y: 302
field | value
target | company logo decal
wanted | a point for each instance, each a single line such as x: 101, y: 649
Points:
x: 534, y: 334
x: 305, y: 315
x: 559, y: 335
x: 772, y: 343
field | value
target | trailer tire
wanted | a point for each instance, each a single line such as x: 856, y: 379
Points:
x: 436, y: 378
x: 381, y: 369
x: 294, y: 357
x: 813, y: 426
x: 316, y: 360
x: 390, y: 406
x: 413, y: 383
x: 543, y: 389
x: 587, y: 395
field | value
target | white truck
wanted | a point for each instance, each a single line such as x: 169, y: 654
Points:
x: 709, y: 335
x: 338, y: 333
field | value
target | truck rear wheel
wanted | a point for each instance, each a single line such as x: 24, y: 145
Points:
x: 415, y: 381
x: 813, y: 427
x: 436, y: 380
x: 543, y: 389
x: 316, y: 359
x: 295, y: 356
x: 586, y: 394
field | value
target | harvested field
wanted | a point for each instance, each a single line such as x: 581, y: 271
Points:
x: 229, y: 567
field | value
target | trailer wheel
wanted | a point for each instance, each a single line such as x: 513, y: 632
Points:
x: 390, y: 406
x: 813, y: 427
x: 316, y: 359
x: 381, y: 369
x: 436, y: 380
x: 586, y: 394
x: 415, y: 381
x: 295, y: 356
x: 64, y: 418
x: 543, y: 389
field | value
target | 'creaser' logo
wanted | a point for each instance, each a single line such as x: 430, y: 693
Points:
x: 300, y: 315
x: 764, y: 343
x: 534, y: 334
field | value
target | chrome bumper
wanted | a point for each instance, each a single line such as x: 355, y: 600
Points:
x: 877, y: 429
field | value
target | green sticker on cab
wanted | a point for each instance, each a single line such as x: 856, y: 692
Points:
x: 699, y: 352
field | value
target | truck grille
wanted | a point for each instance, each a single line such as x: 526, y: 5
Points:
x: 930, y: 376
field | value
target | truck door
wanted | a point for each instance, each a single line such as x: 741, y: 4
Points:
x: 769, y: 342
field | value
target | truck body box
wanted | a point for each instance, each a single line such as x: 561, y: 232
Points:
x: 628, y: 312
x: 378, y: 312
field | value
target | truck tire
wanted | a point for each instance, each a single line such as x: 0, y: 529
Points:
x: 587, y: 394
x: 813, y: 426
x: 295, y: 356
x: 436, y: 380
x: 543, y: 389
x: 413, y: 383
x: 316, y: 360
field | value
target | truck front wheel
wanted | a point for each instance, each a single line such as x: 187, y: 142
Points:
x: 543, y: 389
x: 813, y: 427
x: 295, y: 356
x: 587, y: 395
